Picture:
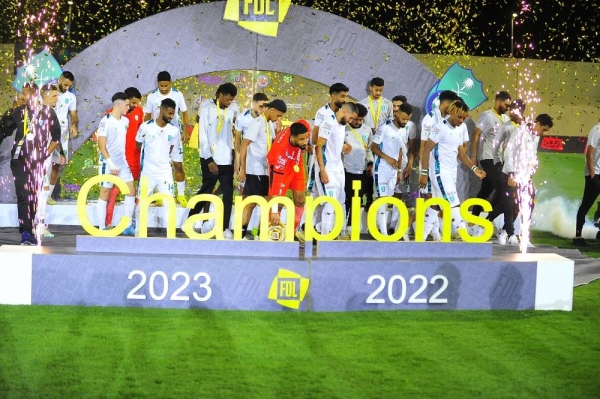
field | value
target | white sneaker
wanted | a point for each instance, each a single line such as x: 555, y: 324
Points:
x: 503, y: 238
x: 198, y: 227
x: 513, y: 240
x: 207, y: 226
x: 476, y: 231
x: 349, y: 231
x: 44, y: 232
x: 435, y: 235
x: 406, y: 237
x: 228, y: 235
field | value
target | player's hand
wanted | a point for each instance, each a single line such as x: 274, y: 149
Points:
x: 114, y: 172
x: 406, y: 173
x: 393, y: 163
x: 370, y: 170
x: 324, y: 177
x: 399, y: 177
x: 275, y: 219
x: 185, y: 136
x: 422, y: 181
x: 62, y: 160
x: 278, y: 126
x: 511, y: 182
x: 309, y: 149
x: 73, y: 132
x: 241, y: 176
x: 346, y: 149
x: 479, y: 173
x: 213, y: 168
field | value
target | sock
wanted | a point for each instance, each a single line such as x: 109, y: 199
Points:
x: 110, y: 207
x: 298, y: 212
x: 51, y: 189
x: 42, y: 198
x: 129, y: 206
x: 180, y: 188
x: 244, y: 229
x: 101, y: 213
x: 457, y: 220
x: 382, y: 219
x: 431, y: 217
x: 395, y: 218
x: 327, y: 219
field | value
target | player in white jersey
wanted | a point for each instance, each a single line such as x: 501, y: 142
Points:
x: 338, y: 94
x: 112, y: 134
x: 358, y: 164
x: 152, y: 110
x: 407, y: 156
x: 390, y: 144
x: 241, y: 123
x: 259, y: 135
x: 591, y: 189
x: 65, y: 107
x: 380, y: 108
x: 329, y: 166
x: 489, y: 125
x: 156, y: 139
x: 444, y: 145
x: 217, y: 150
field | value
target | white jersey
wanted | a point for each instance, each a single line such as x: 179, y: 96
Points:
x: 115, y: 131
x: 242, y: 121
x: 429, y: 121
x: 521, y: 151
x: 491, y: 124
x: 594, y: 141
x: 334, y: 133
x: 256, y: 159
x: 67, y: 103
x: 215, y: 143
x: 156, y: 142
x: 155, y: 98
x: 390, y: 140
x: 380, y: 111
x: 443, y: 156
x: 360, y: 139
x: 235, y: 108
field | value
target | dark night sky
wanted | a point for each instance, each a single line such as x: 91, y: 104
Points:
x: 557, y: 29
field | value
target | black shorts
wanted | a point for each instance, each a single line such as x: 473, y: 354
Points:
x: 256, y: 185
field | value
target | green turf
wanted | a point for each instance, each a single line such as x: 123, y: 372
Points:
x: 560, y: 175
x: 64, y: 352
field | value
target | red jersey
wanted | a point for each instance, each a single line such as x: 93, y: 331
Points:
x: 136, y: 118
x: 283, y: 156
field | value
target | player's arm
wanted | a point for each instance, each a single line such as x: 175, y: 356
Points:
x: 237, y: 147
x: 55, y: 134
x: 589, y: 160
x: 426, y: 153
x: 377, y: 151
x: 314, y: 138
x: 243, y: 156
x: 74, y: 123
x: 464, y: 158
x: 319, y: 150
x: 102, y: 146
x: 139, y: 138
x: 475, y: 144
x: 399, y: 174
x: 185, y: 116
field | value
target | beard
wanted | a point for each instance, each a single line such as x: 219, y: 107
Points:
x: 339, y: 104
x: 343, y: 122
x: 166, y: 119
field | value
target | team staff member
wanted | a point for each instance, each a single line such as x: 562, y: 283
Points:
x: 37, y: 136
x: 286, y: 169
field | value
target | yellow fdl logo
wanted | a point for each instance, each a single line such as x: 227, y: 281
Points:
x: 288, y: 289
x: 259, y: 16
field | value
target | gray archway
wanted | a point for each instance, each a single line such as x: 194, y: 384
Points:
x: 196, y: 40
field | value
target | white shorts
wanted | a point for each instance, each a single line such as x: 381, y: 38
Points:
x: 385, y: 182
x: 177, y: 151
x: 335, y: 187
x: 444, y: 186
x: 47, y: 171
x: 163, y: 184
x: 124, y: 173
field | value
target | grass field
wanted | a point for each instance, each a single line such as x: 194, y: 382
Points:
x: 77, y: 352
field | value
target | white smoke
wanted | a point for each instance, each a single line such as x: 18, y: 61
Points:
x: 557, y: 215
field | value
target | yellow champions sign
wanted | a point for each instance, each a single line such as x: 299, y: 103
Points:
x: 309, y: 229
x: 259, y: 16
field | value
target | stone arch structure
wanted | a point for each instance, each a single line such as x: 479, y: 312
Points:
x: 196, y: 40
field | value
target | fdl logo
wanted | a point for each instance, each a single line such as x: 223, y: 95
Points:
x: 288, y: 289
x: 259, y: 16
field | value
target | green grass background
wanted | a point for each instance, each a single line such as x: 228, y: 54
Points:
x: 77, y: 352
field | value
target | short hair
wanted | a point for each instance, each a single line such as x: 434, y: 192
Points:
x: 399, y: 98
x: 298, y: 128
x: 119, y: 96
x: 168, y: 103
x: 376, y: 82
x: 259, y: 97
x: 406, y: 108
x: 338, y: 88
x: 163, y: 76
x: 32, y: 86
x: 362, y: 110
x: 502, y: 96
x: 544, y: 120
x: 520, y: 104
x: 227, y: 88
x: 48, y: 88
x: 448, y: 95
x: 132, y: 92
x: 68, y: 75
x: 458, y: 106
x: 351, y: 106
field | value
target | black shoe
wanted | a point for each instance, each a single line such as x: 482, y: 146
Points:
x: 28, y: 239
x: 580, y: 242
